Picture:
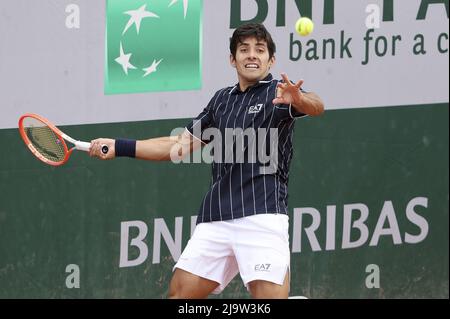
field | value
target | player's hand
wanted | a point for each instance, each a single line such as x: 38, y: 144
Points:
x: 288, y: 93
x: 96, y: 148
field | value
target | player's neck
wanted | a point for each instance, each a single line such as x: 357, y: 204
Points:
x: 244, y: 85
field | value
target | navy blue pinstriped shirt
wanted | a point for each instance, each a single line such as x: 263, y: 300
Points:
x: 247, y: 123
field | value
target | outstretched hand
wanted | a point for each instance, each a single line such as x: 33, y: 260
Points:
x: 96, y: 148
x: 288, y: 93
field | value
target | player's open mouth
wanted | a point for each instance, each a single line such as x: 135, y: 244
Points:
x: 252, y: 66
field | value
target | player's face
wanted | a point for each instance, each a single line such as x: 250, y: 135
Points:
x: 252, y: 61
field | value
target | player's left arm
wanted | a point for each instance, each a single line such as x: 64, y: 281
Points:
x: 306, y: 103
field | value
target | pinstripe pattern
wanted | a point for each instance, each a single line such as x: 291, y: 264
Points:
x: 241, y: 189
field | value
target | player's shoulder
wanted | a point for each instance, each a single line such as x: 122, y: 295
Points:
x: 219, y: 97
x: 224, y: 91
x: 228, y: 89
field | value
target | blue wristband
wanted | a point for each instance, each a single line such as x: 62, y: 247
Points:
x: 125, y: 148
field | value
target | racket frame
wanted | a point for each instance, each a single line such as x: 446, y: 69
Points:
x: 62, y: 137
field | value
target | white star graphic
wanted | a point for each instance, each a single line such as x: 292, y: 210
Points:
x: 151, y: 68
x: 137, y: 16
x: 124, y: 60
x: 185, y: 5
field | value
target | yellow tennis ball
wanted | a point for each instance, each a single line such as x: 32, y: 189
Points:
x: 304, y: 26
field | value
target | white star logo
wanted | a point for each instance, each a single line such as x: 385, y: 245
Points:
x: 185, y: 5
x: 124, y: 60
x: 137, y: 16
x: 151, y: 68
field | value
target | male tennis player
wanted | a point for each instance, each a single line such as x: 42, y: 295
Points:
x: 242, y: 226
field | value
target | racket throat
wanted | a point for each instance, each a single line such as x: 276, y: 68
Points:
x: 79, y: 145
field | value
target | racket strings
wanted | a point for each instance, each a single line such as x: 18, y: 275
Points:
x: 44, y: 140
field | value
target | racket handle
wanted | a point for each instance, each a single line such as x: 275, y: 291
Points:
x: 84, y: 146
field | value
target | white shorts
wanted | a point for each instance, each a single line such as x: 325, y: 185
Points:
x: 257, y: 247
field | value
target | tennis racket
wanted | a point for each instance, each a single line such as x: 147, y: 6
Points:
x: 47, y: 142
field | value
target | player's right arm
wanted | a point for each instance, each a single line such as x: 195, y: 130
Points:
x: 170, y: 148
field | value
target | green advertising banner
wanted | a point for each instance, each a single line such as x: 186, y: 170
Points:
x: 368, y: 208
x: 143, y: 44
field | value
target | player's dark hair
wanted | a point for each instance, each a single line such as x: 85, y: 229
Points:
x: 256, y: 30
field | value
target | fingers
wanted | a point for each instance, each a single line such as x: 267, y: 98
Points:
x: 286, y: 79
x: 287, y: 82
x: 279, y: 91
x: 299, y: 84
x: 93, y: 148
x: 277, y: 101
x: 96, y: 149
x: 279, y: 97
x: 287, y: 92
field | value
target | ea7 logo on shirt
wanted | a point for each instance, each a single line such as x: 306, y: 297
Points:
x: 262, y: 267
x: 255, y: 108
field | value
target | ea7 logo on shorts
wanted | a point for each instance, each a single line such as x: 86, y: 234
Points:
x: 262, y: 267
x: 255, y: 109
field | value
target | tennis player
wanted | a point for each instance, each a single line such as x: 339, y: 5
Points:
x: 242, y: 225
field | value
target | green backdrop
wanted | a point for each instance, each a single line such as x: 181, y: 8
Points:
x: 53, y: 217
